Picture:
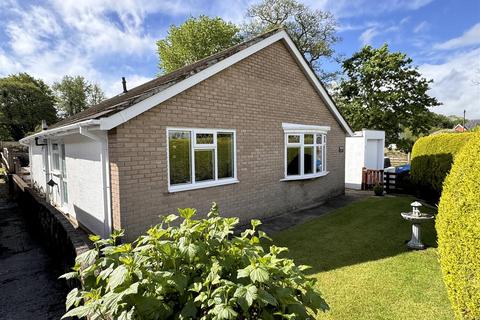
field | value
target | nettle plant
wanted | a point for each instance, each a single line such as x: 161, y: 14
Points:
x: 197, y: 269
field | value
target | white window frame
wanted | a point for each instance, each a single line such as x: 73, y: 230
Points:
x: 55, y: 171
x: 301, y: 130
x: 63, y: 175
x: 194, y: 146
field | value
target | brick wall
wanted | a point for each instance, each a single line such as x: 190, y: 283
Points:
x: 254, y: 97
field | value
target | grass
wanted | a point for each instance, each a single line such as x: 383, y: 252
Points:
x: 364, y: 270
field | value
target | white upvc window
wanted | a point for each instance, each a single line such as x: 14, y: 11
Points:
x: 305, y: 151
x: 55, y: 154
x: 200, y: 158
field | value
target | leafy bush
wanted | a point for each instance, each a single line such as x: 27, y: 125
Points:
x: 458, y: 228
x: 378, y: 189
x: 197, y: 269
x: 432, y: 158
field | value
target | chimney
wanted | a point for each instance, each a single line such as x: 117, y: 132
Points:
x: 44, y: 125
x: 124, y: 83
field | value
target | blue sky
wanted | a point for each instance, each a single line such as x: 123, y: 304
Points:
x: 105, y: 40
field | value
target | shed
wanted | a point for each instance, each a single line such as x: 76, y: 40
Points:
x: 365, y: 149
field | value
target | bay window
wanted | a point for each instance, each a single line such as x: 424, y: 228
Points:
x: 305, y: 151
x: 199, y: 158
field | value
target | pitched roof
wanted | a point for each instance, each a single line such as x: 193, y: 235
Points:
x: 125, y: 100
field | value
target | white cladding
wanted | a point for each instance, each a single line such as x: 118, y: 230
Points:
x: 363, y: 150
x: 84, y: 181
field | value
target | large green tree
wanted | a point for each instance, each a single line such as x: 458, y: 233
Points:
x: 75, y: 94
x: 313, y: 31
x: 193, y: 40
x: 24, y: 103
x: 383, y: 90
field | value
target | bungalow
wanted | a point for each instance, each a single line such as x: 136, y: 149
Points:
x: 251, y: 128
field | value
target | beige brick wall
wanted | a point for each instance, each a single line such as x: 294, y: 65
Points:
x: 254, y: 97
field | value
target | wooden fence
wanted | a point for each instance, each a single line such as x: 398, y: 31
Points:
x: 370, y: 178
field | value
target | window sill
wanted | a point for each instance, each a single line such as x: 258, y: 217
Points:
x: 306, y: 177
x: 202, y: 185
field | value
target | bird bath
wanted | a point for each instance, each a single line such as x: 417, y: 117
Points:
x: 416, y: 218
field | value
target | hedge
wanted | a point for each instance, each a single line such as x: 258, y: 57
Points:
x: 432, y: 158
x: 458, y: 229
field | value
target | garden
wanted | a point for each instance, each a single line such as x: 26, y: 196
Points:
x: 351, y: 263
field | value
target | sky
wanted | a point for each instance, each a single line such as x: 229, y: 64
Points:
x: 105, y: 40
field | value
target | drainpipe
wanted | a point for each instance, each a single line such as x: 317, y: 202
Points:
x: 104, y: 158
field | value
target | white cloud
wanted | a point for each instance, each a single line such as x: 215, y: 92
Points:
x: 348, y: 8
x: 422, y: 26
x: 469, y: 38
x: 367, y: 36
x: 454, y: 83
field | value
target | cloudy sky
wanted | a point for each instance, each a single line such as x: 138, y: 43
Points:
x: 105, y: 40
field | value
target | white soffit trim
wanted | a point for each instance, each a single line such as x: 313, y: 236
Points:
x: 113, y: 121
x: 293, y: 127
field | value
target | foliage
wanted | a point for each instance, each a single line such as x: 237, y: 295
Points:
x: 75, y: 94
x: 458, y: 228
x: 432, y: 158
x: 194, y: 40
x: 195, y: 270
x: 24, y: 103
x: 382, y: 90
x: 313, y: 31
x: 378, y: 189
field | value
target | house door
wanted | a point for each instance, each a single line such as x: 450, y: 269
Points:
x: 59, y: 190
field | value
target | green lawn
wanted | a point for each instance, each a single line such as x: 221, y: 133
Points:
x: 358, y: 254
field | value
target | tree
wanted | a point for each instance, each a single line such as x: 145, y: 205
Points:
x: 194, y: 40
x: 24, y: 103
x: 382, y: 90
x: 313, y: 31
x: 75, y: 94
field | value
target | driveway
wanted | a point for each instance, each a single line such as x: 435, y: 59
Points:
x: 28, y: 276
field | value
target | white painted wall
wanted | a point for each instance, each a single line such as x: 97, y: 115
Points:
x: 37, y: 171
x: 86, y: 196
x: 363, y: 150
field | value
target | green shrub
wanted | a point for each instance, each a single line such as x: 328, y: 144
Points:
x: 197, y: 269
x: 458, y: 228
x: 432, y: 158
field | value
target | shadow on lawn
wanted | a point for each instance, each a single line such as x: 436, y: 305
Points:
x: 364, y: 231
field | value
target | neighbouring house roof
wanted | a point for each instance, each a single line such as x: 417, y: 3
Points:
x: 123, y: 107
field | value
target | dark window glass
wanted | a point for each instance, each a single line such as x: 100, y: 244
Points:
x: 204, y: 165
x: 225, y: 155
x: 293, y: 161
x: 308, y: 160
x: 179, y: 157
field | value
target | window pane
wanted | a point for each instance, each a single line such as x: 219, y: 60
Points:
x: 293, y: 139
x: 308, y: 164
x: 65, y: 192
x: 55, y: 161
x: 308, y: 139
x: 319, y: 158
x: 179, y: 157
x: 54, y: 146
x: 319, y: 139
x: 204, y: 138
x: 204, y: 165
x: 64, y: 165
x: 225, y: 155
x: 293, y: 161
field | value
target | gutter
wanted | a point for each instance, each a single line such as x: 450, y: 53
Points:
x: 74, y: 126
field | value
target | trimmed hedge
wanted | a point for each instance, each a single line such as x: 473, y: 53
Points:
x: 458, y: 228
x: 432, y: 158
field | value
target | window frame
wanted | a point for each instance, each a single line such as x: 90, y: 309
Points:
x: 195, y: 146
x: 55, y: 171
x: 302, y: 130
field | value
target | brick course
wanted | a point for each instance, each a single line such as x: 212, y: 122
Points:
x: 254, y: 97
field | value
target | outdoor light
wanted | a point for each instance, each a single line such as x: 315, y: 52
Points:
x: 340, y: 149
x: 51, y: 183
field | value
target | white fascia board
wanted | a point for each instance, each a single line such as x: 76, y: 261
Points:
x: 293, y: 127
x: 58, y: 131
x: 115, y: 120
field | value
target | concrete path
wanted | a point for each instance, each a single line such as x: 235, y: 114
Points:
x: 29, y: 288
x: 288, y: 220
